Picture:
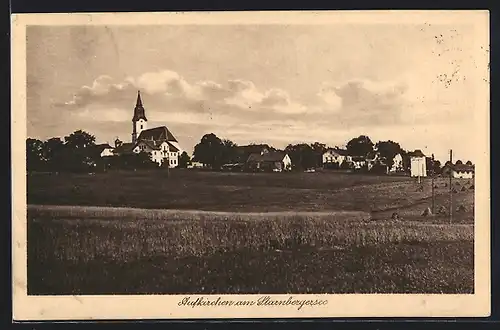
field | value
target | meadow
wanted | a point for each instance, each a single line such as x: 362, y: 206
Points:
x: 205, y: 232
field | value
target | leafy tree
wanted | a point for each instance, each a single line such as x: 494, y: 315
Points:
x: 229, y: 154
x: 302, y: 155
x: 388, y: 150
x: 53, y: 153
x: 433, y: 166
x: 184, y: 160
x: 360, y: 146
x: 318, y: 149
x: 34, y: 154
x: 209, y: 151
x: 79, y: 139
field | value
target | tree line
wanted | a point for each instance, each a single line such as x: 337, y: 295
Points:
x: 215, y: 152
x: 78, y: 152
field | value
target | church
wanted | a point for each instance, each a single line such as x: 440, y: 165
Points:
x: 158, y: 142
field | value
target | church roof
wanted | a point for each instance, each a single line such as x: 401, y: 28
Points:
x: 161, y: 133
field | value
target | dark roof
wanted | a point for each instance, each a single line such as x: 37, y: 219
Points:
x: 416, y: 153
x: 172, y: 148
x: 341, y: 152
x: 152, y: 144
x: 252, y: 148
x: 155, y: 145
x: 103, y: 146
x: 460, y: 167
x: 272, y: 156
x: 124, y: 148
x: 161, y: 133
x: 139, y: 112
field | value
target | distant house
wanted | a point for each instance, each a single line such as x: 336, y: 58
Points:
x: 276, y: 161
x: 123, y: 148
x: 196, y: 165
x: 459, y: 170
x: 397, y: 164
x: 104, y: 150
x: 358, y: 162
x: 418, y: 165
x: 243, y: 152
x: 335, y: 157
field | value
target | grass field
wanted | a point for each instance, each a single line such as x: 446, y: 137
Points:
x: 293, y: 232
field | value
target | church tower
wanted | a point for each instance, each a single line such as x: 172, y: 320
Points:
x: 139, y: 121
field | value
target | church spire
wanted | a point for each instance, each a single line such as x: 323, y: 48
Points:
x: 139, y: 101
x: 139, y: 112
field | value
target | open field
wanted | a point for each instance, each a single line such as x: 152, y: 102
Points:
x: 296, y: 233
x: 246, y: 192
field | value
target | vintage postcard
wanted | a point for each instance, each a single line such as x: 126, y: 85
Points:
x: 250, y: 165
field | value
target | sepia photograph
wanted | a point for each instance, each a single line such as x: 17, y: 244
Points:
x: 267, y: 164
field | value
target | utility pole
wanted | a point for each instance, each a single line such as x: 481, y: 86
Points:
x: 451, y: 189
x: 432, y: 182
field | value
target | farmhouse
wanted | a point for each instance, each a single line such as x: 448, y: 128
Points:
x: 276, y: 161
x: 158, y: 142
x: 243, y: 152
x: 358, y: 162
x: 104, y: 150
x: 418, y: 167
x: 397, y: 164
x: 459, y: 170
x: 335, y: 157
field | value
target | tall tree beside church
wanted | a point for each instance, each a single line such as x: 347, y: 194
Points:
x: 360, y: 146
x: 209, y: 151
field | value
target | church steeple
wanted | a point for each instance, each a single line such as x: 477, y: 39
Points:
x: 139, y: 112
x: 139, y: 121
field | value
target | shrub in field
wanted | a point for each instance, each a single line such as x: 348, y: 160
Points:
x: 427, y: 212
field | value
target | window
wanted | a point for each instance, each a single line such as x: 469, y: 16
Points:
x: 141, y: 126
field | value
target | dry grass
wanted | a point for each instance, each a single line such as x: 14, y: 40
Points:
x: 80, y: 234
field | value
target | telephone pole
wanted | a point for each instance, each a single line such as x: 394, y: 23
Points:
x: 451, y: 189
x: 432, y: 182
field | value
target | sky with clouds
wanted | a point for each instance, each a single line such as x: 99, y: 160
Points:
x: 276, y: 84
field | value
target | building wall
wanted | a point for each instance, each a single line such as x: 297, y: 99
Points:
x: 418, y: 166
x: 287, y: 163
x: 107, y: 152
x: 329, y: 157
x: 140, y: 126
x: 463, y: 175
x: 397, y: 163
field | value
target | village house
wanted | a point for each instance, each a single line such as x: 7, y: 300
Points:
x: 158, y: 142
x: 104, y: 150
x: 243, y: 152
x: 275, y: 161
x: 397, y: 164
x: 418, y: 165
x: 358, y: 162
x: 459, y: 170
x: 334, y: 157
